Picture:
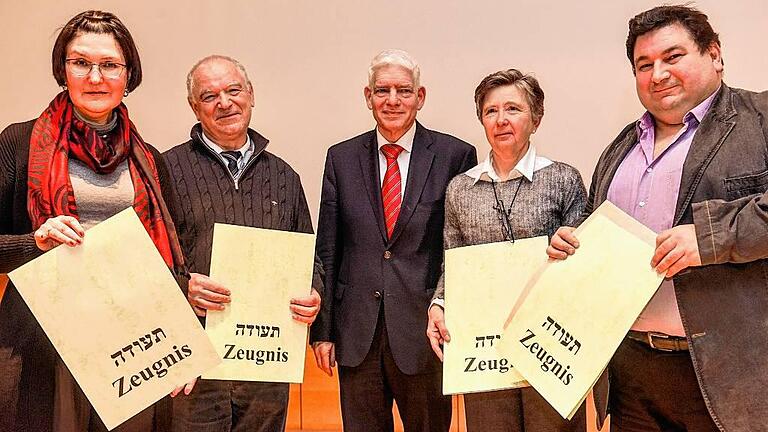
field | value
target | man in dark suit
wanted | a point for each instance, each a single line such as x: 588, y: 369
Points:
x: 694, y: 168
x: 380, y: 238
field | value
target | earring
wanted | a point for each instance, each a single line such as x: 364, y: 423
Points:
x: 125, y: 93
x: 64, y: 87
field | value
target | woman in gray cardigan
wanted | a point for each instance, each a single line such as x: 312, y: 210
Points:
x: 513, y: 194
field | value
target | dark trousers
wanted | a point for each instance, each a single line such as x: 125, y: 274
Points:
x: 74, y: 413
x: 367, y: 392
x: 27, y: 387
x: 518, y: 410
x: 653, y: 390
x: 237, y: 406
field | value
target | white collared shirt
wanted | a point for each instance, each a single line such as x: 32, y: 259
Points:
x: 403, y: 159
x: 525, y: 167
x: 246, y: 151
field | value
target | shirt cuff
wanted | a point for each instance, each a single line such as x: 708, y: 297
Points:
x: 438, y: 301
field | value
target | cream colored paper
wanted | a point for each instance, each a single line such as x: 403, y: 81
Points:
x: 255, y: 335
x: 482, y: 283
x: 577, y: 311
x: 117, y: 317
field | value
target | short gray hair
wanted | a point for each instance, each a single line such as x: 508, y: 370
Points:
x: 526, y: 83
x: 191, y: 81
x: 394, y: 57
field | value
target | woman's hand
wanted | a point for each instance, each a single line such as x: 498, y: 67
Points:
x: 59, y: 230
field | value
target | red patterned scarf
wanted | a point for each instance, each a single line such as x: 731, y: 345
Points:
x: 59, y: 134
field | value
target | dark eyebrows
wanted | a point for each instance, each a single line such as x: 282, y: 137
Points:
x: 663, y: 53
x: 79, y: 54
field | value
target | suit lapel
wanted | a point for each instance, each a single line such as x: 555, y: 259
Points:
x: 369, y: 164
x: 418, y: 172
x: 708, y: 139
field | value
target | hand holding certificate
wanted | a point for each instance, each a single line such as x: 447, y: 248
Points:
x: 255, y: 334
x: 117, y: 318
x: 481, y: 284
x: 562, y: 334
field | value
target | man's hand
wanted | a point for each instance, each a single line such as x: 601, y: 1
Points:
x: 325, y: 356
x: 187, y: 388
x: 436, y: 330
x: 563, y: 243
x: 305, y: 309
x: 676, y: 250
x: 204, y: 294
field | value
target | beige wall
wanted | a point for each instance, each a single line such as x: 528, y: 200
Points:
x: 308, y: 61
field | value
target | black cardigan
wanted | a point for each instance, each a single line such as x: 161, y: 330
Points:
x: 268, y: 195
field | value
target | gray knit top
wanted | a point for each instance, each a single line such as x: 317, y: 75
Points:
x: 555, y: 197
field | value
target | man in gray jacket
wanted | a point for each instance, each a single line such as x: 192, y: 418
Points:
x: 693, y: 168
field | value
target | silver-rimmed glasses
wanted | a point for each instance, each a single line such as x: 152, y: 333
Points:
x: 81, y: 67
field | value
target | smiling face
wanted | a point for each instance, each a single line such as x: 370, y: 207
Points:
x: 222, y: 99
x: 394, y: 101
x: 671, y: 75
x: 507, y: 120
x: 93, y: 95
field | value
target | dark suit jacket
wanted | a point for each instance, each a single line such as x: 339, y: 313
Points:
x: 363, y: 268
x: 724, y: 303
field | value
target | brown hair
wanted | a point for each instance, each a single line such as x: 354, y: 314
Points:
x: 527, y: 83
x: 94, y: 21
x: 690, y: 18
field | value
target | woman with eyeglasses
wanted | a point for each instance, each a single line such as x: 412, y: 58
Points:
x: 81, y: 161
x: 513, y: 194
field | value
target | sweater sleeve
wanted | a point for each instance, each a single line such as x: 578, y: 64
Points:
x: 574, y: 198
x: 171, y: 202
x: 304, y: 224
x: 15, y: 249
x: 451, y: 236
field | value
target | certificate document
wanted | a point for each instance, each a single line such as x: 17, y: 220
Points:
x: 563, y: 333
x: 117, y: 318
x: 482, y: 283
x: 255, y: 335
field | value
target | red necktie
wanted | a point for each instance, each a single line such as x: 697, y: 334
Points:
x: 390, y: 187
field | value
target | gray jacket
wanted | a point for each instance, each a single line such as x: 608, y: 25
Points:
x: 724, y: 303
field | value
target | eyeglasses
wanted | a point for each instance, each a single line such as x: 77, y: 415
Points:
x: 81, y: 67
x: 402, y: 92
x: 503, y: 213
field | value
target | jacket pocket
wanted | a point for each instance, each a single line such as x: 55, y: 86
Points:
x: 746, y: 185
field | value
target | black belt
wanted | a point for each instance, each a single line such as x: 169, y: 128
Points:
x: 659, y: 341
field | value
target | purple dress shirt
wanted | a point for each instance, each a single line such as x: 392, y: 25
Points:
x: 647, y: 189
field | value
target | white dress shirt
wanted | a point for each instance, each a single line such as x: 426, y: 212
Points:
x: 403, y: 159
